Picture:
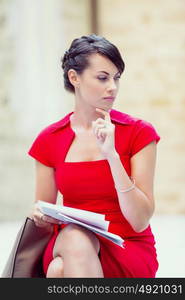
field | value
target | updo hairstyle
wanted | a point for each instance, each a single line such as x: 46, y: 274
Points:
x: 76, y: 57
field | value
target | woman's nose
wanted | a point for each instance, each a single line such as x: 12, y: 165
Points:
x: 112, y: 85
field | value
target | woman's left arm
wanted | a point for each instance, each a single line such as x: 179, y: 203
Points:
x: 137, y: 205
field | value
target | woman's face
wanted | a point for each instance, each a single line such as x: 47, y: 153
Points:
x: 99, y: 83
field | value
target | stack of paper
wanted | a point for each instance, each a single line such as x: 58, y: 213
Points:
x: 90, y: 220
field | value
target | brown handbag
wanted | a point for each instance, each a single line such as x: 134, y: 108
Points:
x: 25, y: 259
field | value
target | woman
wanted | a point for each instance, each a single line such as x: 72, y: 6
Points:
x: 100, y: 160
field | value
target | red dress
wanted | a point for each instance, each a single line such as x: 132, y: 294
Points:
x: 89, y: 185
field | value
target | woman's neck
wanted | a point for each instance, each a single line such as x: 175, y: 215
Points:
x: 82, y: 118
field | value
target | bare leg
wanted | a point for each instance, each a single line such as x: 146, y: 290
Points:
x: 56, y: 268
x: 79, y: 249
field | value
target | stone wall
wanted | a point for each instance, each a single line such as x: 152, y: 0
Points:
x: 151, y: 37
x: 31, y: 93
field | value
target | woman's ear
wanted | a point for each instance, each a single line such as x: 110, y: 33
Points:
x: 73, y: 78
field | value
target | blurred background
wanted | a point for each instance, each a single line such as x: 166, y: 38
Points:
x: 151, y: 38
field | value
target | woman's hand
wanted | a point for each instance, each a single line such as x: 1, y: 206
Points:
x: 104, y: 131
x: 42, y: 220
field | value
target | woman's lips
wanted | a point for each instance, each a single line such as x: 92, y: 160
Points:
x: 111, y: 99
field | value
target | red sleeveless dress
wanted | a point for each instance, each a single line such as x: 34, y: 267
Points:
x: 89, y: 185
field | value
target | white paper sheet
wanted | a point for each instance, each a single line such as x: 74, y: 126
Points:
x: 90, y: 220
x: 88, y: 217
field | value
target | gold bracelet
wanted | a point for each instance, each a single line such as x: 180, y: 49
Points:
x: 127, y: 190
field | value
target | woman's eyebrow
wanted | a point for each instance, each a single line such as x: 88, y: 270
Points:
x: 107, y: 72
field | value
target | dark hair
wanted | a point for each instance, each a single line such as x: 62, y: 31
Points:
x: 81, y: 48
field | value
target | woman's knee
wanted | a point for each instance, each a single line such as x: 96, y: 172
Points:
x: 55, y: 268
x: 76, y: 240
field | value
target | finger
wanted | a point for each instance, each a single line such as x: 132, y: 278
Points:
x: 101, y: 132
x: 98, y: 129
x: 51, y: 220
x: 45, y: 225
x: 39, y: 217
x: 40, y: 223
x: 42, y: 219
x: 98, y: 133
x: 99, y: 121
x: 105, y: 114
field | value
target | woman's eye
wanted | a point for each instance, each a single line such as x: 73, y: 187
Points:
x: 102, y: 78
x: 117, y: 78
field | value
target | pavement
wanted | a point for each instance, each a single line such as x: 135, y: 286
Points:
x: 169, y: 231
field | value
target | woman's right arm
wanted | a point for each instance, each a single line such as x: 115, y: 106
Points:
x: 45, y: 190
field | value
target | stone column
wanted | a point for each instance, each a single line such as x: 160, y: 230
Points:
x: 37, y: 94
x: 32, y: 96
